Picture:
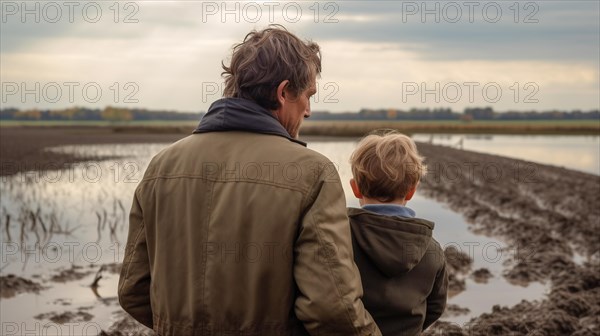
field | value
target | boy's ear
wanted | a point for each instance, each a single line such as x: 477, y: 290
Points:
x: 410, y: 193
x: 355, y: 189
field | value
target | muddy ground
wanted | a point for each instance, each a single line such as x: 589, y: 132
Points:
x: 11, y: 285
x: 549, y: 217
x: 22, y: 148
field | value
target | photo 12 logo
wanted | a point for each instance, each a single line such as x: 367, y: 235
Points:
x: 68, y: 252
x: 454, y: 92
x: 18, y: 328
x: 469, y: 11
x: 71, y: 92
x: 69, y: 12
x: 88, y: 172
x: 270, y: 11
x: 326, y: 92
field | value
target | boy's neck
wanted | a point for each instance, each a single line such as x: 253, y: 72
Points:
x: 367, y: 200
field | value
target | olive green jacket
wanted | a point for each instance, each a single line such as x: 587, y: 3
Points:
x: 241, y: 233
x: 403, y: 270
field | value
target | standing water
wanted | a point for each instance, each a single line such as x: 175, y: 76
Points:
x: 573, y: 152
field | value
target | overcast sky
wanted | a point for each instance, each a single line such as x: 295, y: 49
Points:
x: 538, y: 55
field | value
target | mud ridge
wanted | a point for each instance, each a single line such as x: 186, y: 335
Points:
x: 545, y: 214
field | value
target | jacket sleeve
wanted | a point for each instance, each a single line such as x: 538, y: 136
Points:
x: 330, y: 289
x: 134, y: 281
x: 436, y: 301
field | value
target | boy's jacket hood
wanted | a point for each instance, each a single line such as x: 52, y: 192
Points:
x: 394, y: 244
x: 237, y: 114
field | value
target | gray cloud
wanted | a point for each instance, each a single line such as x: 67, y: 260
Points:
x: 564, y: 31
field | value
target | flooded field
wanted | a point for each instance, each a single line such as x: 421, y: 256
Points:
x: 578, y: 152
x: 68, y: 228
x: 63, y: 233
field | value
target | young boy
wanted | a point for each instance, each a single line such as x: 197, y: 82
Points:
x: 402, y: 267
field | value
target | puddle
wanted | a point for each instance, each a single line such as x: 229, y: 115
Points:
x: 19, y: 313
x: 486, y: 252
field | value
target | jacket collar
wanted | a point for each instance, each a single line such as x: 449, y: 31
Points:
x: 390, y: 210
x: 237, y: 114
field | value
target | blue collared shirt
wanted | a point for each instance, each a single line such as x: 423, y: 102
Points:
x: 390, y: 210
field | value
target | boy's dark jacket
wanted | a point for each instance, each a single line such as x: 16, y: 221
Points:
x: 403, y: 271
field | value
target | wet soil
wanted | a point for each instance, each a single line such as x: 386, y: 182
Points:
x: 457, y: 261
x: 455, y: 310
x: 458, y: 264
x: 66, y: 317
x: 126, y: 326
x: 23, y: 148
x: 11, y: 285
x: 481, y: 275
x: 72, y: 274
x: 547, y: 216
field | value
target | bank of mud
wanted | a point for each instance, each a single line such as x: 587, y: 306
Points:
x: 25, y: 148
x: 548, y: 216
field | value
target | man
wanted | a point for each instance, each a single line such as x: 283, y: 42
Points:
x: 239, y: 229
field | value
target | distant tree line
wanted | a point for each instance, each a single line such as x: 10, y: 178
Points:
x: 109, y: 113
x: 468, y: 114
x: 117, y: 114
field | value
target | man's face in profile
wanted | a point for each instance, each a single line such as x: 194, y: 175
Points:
x: 295, y: 108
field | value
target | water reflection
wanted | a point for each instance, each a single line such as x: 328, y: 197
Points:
x: 574, y: 152
x: 84, y: 210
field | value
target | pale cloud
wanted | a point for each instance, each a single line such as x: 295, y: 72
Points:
x: 380, y: 71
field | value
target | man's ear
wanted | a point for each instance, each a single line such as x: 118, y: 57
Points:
x: 410, y: 193
x: 355, y: 189
x: 281, y: 92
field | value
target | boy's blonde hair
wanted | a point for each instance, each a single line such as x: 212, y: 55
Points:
x: 386, y: 166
